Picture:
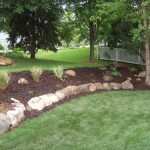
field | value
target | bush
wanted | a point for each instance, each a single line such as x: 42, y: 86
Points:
x: 132, y: 69
x: 36, y: 73
x: 1, y: 47
x: 4, y: 79
x: 58, y: 71
x: 15, y: 53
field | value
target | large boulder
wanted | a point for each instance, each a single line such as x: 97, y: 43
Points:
x: 4, y: 123
x: 106, y: 86
x: 127, y: 85
x: 115, y: 86
x: 99, y: 86
x: 5, y: 61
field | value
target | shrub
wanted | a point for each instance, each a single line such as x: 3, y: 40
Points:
x: 1, y: 47
x: 58, y: 71
x: 4, y: 79
x: 132, y: 69
x: 15, y: 53
x: 115, y: 73
x: 36, y: 73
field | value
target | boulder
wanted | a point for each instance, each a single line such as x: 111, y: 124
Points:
x: 60, y: 94
x: 84, y: 88
x: 115, y: 86
x: 70, y: 73
x: 34, y: 103
x: 142, y: 74
x: 107, y: 78
x: 4, y: 123
x: 22, y: 81
x: 15, y: 116
x: 5, y: 61
x: 99, y: 86
x: 92, y: 87
x: 127, y: 85
x: 71, y: 90
x: 106, y: 86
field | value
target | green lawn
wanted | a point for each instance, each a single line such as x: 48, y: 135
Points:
x: 68, y: 58
x: 104, y: 121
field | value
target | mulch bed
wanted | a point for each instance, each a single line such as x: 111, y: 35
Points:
x: 49, y: 84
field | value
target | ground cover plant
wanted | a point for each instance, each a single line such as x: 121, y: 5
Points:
x: 111, y: 120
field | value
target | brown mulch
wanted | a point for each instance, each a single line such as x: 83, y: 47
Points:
x: 49, y: 84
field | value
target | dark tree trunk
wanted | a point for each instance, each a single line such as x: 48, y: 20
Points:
x: 32, y: 56
x: 92, y: 40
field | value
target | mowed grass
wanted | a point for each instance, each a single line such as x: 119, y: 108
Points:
x: 104, y: 121
x: 67, y: 58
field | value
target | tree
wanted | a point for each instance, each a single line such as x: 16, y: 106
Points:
x: 32, y: 24
x: 84, y: 10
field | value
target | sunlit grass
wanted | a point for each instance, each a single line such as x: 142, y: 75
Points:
x: 104, y: 121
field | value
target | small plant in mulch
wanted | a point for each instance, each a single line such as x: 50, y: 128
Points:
x: 103, y: 68
x: 138, y: 79
x: 4, y: 79
x: 128, y: 78
x: 36, y: 73
x: 114, y: 72
x: 132, y: 69
x: 58, y: 72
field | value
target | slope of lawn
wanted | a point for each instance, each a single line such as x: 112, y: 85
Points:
x: 104, y: 121
x: 68, y: 58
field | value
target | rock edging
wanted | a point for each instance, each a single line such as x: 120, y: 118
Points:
x: 16, y: 115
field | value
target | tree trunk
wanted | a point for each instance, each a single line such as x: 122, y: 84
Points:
x: 92, y: 40
x: 32, y: 56
x: 146, y: 44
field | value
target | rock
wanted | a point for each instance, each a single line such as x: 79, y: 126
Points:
x: 99, y: 86
x: 52, y: 97
x: 106, y: 86
x: 15, y: 116
x: 4, y: 123
x: 5, y: 61
x: 70, y: 73
x: 60, y: 94
x: 115, y: 86
x: 19, y: 105
x: 92, y: 87
x: 107, y: 78
x: 141, y: 74
x: 84, y: 88
x: 127, y: 85
x: 22, y: 81
x: 15, y: 100
x: 71, y: 90
x: 34, y: 103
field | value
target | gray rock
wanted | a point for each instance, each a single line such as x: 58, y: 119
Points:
x: 142, y: 74
x: 84, y: 88
x: 106, y: 86
x: 127, y: 85
x: 99, y: 86
x: 4, y: 123
x: 115, y: 86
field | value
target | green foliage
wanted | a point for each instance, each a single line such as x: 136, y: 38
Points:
x: 1, y: 47
x: 36, y: 24
x: 132, y: 69
x: 15, y: 53
x: 36, y: 73
x: 58, y: 72
x: 114, y: 72
x: 4, y: 79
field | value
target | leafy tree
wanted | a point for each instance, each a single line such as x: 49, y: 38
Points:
x: 32, y: 24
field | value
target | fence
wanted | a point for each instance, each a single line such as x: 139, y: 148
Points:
x: 118, y: 54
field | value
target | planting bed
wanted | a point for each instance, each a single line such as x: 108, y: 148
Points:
x: 49, y: 84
